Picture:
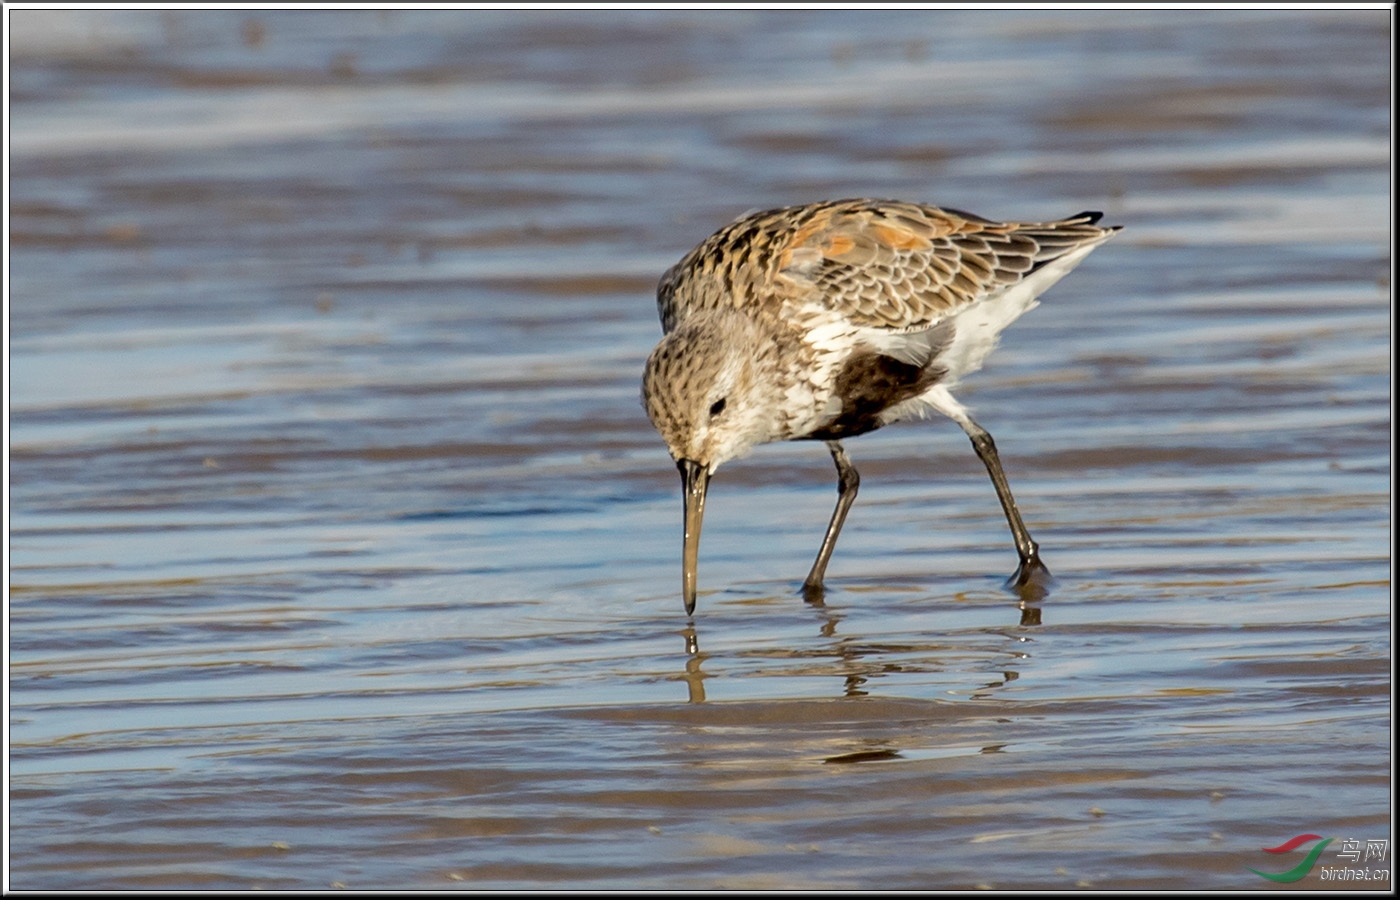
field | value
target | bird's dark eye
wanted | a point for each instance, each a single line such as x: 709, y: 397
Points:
x: 717, y: 407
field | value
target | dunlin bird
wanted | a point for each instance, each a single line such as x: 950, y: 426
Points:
x: 833, y: 319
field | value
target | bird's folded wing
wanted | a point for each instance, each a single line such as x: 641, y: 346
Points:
x: 905, y: 267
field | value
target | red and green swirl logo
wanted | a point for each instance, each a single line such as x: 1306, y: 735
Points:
x: 1303, y: 868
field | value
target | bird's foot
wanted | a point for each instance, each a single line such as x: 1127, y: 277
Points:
x: 814, y: 593
x: 1032, y: 581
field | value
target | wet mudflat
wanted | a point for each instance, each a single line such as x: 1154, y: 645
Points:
x: 342, y: 553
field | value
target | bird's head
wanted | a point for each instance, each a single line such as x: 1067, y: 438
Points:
x: 706, y: 394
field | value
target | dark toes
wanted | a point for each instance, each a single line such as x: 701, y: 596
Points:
x: 1032, y: 581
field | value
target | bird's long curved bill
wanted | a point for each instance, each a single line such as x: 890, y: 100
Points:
x: 695, y: 481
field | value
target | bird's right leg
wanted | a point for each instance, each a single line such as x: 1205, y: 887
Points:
x: 847, y: 484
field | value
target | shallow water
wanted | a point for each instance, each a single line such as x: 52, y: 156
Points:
x: 342, y: 553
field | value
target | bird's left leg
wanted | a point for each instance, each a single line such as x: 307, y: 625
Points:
x: 1032, y: 578
x: 847, y: 484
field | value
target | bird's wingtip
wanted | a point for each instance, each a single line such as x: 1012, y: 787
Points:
x: 1091, y: 217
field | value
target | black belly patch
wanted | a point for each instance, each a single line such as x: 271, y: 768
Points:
x: 869, y: 384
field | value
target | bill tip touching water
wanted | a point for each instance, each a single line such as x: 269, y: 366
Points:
x: 830, y: 320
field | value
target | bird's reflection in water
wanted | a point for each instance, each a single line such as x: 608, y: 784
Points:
x: 1030, y: 598
x: 855, y: 679
x: 849, y: 654
x: 829, y: 617
x: 989, y: 688
x: 694, y: 679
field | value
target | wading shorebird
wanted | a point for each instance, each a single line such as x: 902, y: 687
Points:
x: 826, y: 321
